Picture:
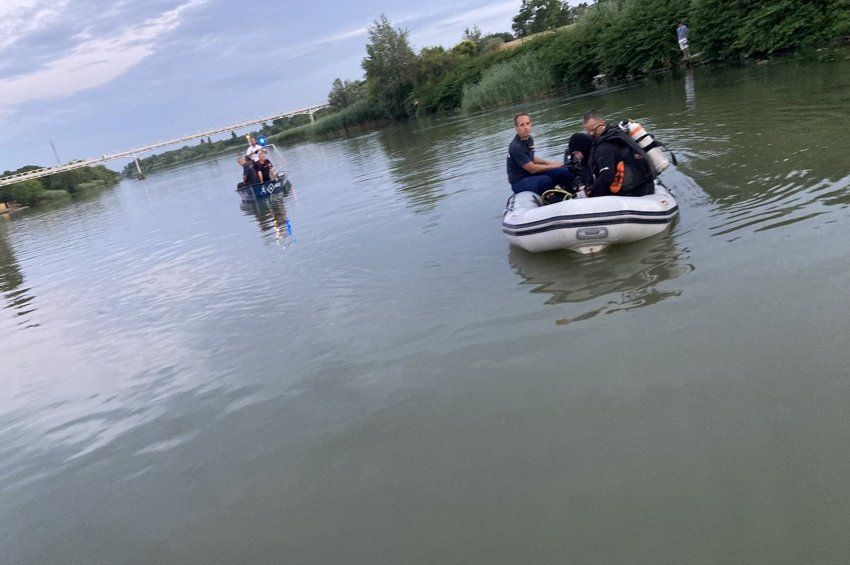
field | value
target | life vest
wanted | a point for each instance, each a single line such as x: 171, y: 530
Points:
x: 656, y: 157
x: 632, y: 167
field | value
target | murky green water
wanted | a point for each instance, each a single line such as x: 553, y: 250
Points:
x: 185, y: 381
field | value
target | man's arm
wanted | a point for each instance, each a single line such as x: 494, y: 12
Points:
x: 540, y: 161
x: 539, y: 165
x: 605, y: 157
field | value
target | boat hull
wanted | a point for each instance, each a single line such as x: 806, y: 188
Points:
x: 263, y: 190
x: 587, y: 225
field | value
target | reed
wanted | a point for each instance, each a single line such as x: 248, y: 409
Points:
x: 361, y: 115
x: 528, y: 76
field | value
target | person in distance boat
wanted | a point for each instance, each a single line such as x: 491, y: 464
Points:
x: 264, y: 167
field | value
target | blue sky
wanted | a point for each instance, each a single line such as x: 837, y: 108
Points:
x: 98, y: 77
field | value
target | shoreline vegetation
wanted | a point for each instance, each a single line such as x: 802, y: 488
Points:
x: 554, y: 48
x: 558, y: 48
x: 55, y: 188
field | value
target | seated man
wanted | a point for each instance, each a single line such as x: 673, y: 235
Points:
x: 264, y: 167
x: 618, y: 166
x: 249, y: 174
x: 527, y: 172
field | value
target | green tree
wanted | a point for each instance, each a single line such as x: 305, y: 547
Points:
x: 577, y: 11
x: 466, y: 48
x: 345, y: 93
x: 841, y: 24
x: 25, y: 193
x: 434, y: 63
x: 390, y: 67
x: 539, y: 15
x: 783, y: 25
x: 473, y: 35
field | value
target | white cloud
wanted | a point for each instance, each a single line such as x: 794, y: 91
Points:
x: 19, y: 18
x: 454, y: 24
x: 491, y: 18
x: 311, y: 46
x: 343, y: 35
x: 93, y: 62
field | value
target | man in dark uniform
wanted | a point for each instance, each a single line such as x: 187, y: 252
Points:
x: 527, y: 172
x: 249, y: 174
x: 264, y: 167
x: 618, y: 165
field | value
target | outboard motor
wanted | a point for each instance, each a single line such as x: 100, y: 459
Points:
x: 657, y: 158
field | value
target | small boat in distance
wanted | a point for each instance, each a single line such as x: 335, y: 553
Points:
x: 263, y: 190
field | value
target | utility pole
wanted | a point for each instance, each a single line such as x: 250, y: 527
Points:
x: 55, y: 153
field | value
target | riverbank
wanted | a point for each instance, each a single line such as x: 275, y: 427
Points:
x: 56, y: 188
x: 621, y: 41
x: 205, y: 149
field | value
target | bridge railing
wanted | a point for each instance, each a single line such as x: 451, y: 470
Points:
x: 134, y: 153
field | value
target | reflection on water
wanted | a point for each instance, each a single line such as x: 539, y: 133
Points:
x: 271, y: 218
x: 625, y: 277
x: 690, y: 89
x: 389, y: 393
x: 17, y: 297
x: 416, y: 165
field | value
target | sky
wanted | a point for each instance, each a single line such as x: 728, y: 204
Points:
x: 98, y: 77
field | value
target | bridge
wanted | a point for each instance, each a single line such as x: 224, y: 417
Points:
x: 135, y: 152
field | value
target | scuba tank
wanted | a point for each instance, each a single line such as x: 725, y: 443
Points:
x: 648, y: 143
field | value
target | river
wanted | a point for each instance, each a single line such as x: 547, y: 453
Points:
x: 367, y: 373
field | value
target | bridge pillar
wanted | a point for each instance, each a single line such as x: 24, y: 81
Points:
x: 312, y: 119
x: 139, y: 168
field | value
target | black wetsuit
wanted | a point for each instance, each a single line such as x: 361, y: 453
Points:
x: 618, y: 166
x: 249, y: 174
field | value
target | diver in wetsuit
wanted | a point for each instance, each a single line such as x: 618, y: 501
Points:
x: 618, y: 166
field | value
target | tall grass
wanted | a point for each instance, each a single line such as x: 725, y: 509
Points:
x: 525, y: 77
x: 352, y: 119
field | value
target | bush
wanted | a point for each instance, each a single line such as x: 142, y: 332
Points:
x: 50, y: 196
x: 727, y: 30
x: 633, y: 37
x: 25, y: 193
x: 350, y: 120
x: 512, y: 81
x: 445, y: 94
x: 573, y: 58
x: 841, y: 23
x: 782, y: 26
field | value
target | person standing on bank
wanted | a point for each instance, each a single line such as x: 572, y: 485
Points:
x: 682, y: 33
x: 618, y: 166
x: 527, y: 172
